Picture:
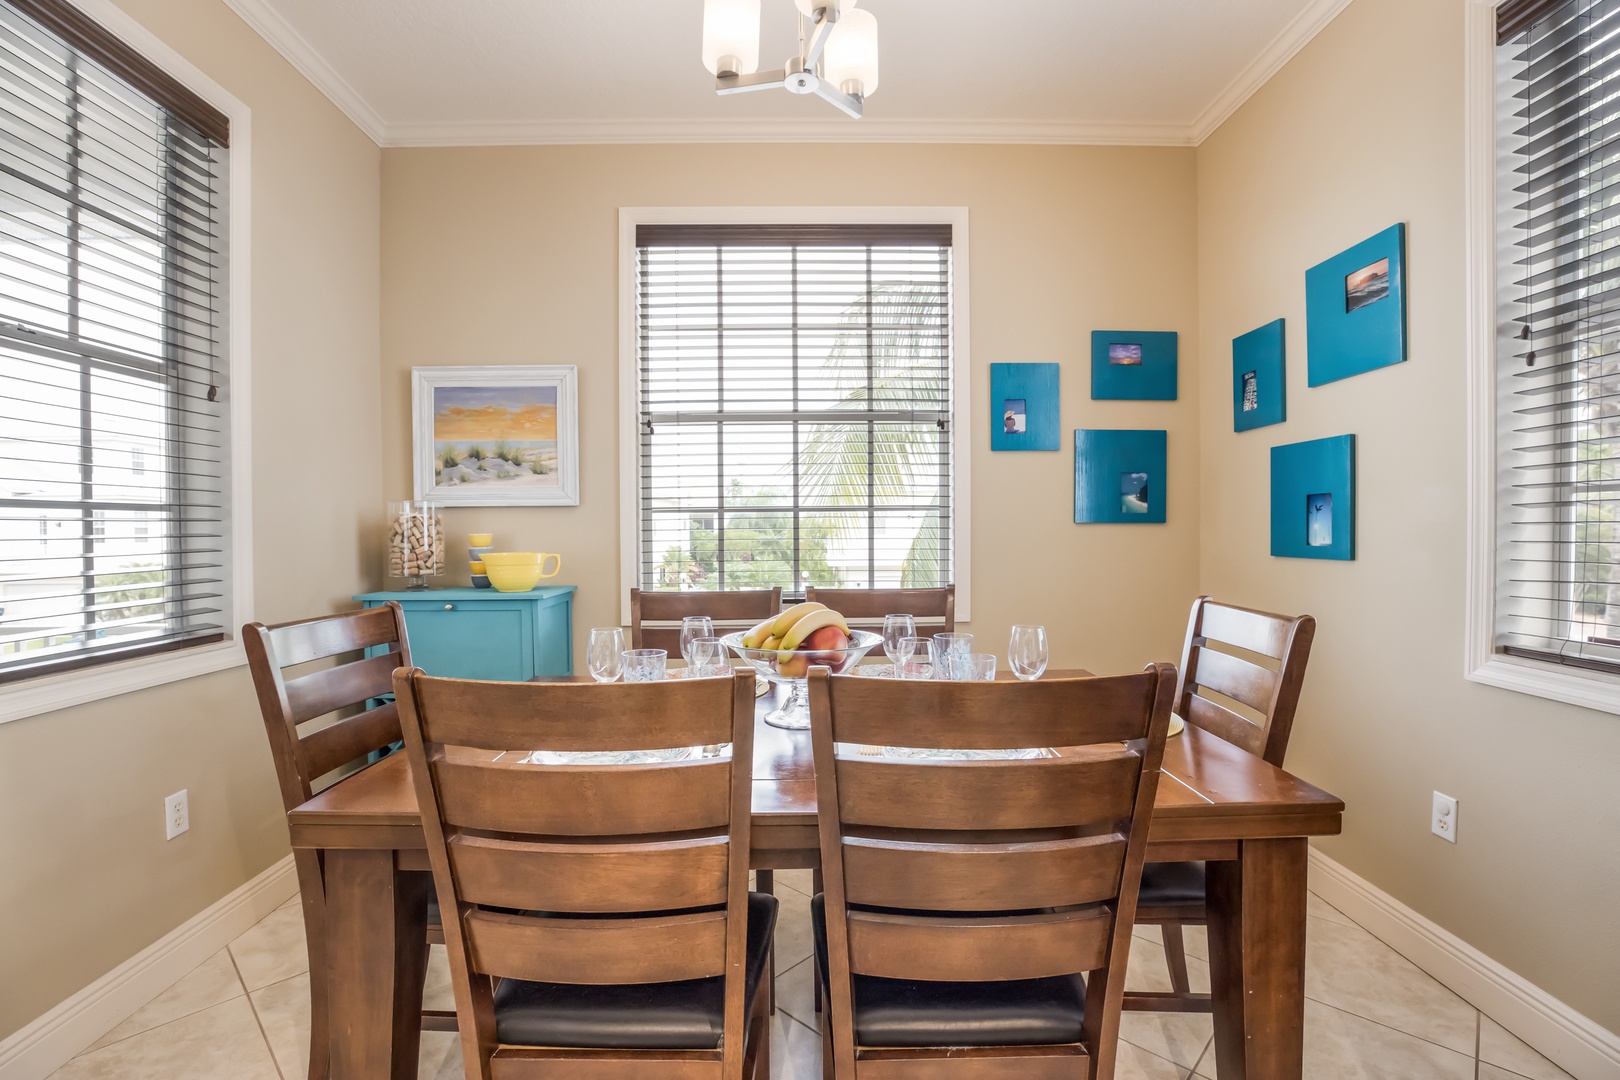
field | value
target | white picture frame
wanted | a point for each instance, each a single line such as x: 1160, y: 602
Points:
x: 453, y: 446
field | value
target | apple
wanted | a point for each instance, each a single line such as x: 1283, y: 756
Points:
x: 796, y: 666
x: 826, y: 647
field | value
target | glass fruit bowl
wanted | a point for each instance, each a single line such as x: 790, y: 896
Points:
x: 794, y: 713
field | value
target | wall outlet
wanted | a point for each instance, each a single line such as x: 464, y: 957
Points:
x: 176, y: 814
x: 1444, y: 822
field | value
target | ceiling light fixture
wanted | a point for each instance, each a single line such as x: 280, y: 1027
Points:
x: 837, y: 60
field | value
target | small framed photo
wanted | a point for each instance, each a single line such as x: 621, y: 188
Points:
x: 1119, y: 477
x: 1355, y: 309
x: 1133, y: 365
x: 1259, y: 380
x: 1313, y: 492
x: 496, y: 435
x: 1024, y: 407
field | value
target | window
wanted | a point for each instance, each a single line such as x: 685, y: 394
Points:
x: 113, y: 381
x: 794, y: 406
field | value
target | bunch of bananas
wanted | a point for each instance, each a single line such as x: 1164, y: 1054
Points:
x: 798, y: 634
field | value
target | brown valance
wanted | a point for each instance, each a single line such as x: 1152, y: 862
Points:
x: 854, y: 235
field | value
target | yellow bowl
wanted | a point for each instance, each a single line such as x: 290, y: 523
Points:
x: 480, y: 539
x: 477, y: 567
x: 513, y: 578
x: 536, y: 560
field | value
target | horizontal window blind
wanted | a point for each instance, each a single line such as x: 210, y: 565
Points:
x: 1558, y: 524
x: 113, y: 502
x: 794, y: 406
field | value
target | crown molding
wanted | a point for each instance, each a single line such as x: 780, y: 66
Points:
x: 268, y: 24
x: 589, y: 132
x: 1294, y: 37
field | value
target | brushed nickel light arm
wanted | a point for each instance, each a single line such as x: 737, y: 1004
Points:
x: 805, y: 73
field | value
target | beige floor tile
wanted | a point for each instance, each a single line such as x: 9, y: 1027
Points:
x: 210, y: 983
x: 795, y: 994
x: 221, y: 1041
x: 1135, y: 1063
x: 283, y: 1010
x: 1149, y: 972
x: 1321, y: 909
x: 793, y: 942
x: 1500, y: 1047
x: 440, y: 1058
x: 1348, y: 968
x: 272, y: 950
x: 292, y: 901
x: 1341, y: 1046
x: 795, y: 1050
x: 437, y: 992
x: 1180, y: 1037
x: 800, y: 880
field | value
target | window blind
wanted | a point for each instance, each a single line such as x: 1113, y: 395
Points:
x: 1559, y: 362
x: 794, y: 403
x: 112, y: 418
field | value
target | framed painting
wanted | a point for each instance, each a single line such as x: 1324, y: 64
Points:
x: 1355, y: 309
x: 496, y: 436
x: 1133, y: 365
x: 1313, y: 499
x: 1119, y: 477
x: 1024, y: 407
x: 1259, y: 383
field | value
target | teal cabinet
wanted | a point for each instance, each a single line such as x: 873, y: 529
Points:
x: 484, y: 634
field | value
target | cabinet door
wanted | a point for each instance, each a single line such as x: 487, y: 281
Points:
x: 487, y: 640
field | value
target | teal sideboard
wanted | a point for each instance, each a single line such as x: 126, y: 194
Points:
x: 484, y: 634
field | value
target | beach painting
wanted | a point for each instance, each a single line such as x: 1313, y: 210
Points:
x: 1124, y: 354
x: 1319, y: 520
x: 509, y: 437
x: 1014, y: 416
x: 1133, y: 490
x: 1366, y: 286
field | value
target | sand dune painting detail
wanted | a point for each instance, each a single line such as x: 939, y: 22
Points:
x: 491, y: 436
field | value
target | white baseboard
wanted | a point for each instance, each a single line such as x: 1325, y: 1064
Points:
x: 36, y: 1051
x: 1574, y: 1042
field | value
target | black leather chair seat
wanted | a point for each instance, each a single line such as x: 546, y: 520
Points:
x: 433, y: 909
x: 900, y: 1012
x: 687, y: 1015
x: 1172, y: 884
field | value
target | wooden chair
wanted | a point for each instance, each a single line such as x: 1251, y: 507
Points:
x: 1249, y: 703
x: 935, y: 609
x: 655, y: 617
x: 602, y: 924
x: 303, y: 757
x: 965, y: 898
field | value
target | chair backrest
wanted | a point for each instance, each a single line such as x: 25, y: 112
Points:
x: 655, y: 617
x: 290, y: 703
x: 935, y: 609
x: 641, y: 869
x: 986, y: 870
x: 1265, y: 690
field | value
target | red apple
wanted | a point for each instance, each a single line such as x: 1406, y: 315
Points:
x: 826, y: 645
x: 796, y: 666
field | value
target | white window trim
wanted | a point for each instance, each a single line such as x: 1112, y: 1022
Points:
x: 51, y: 692
x: 629, y: 384
x: 1481, y: 663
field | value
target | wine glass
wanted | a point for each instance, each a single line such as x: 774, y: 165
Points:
x: 705, y: 657
x: 602, y: 653
x: 692, y: 627
x: 1026, y: 653
x: 896, y: 628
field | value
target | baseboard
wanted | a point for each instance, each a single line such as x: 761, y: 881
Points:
x: 1574, y: 1042
x: 36, y: 1051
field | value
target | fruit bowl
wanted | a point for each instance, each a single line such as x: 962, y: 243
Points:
x: 768, y: 664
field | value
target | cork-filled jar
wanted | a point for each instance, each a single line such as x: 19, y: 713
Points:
x: 415, y: 542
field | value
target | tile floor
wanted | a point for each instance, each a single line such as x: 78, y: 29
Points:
x: 243, y: 1014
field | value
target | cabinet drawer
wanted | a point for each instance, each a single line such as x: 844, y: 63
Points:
x: 487, y: 640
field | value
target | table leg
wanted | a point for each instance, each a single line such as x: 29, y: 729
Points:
x: 1256, y: 908
x: 376, y: 947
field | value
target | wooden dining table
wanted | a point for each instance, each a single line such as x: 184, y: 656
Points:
x: 1249, y: 820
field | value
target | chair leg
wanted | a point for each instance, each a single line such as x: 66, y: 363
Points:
x: 816, y: 889
x: 828, y: 1065
x: 1175, y: 955
x: 765, y: 882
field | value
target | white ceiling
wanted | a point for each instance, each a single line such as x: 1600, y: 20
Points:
x: 451, y: 72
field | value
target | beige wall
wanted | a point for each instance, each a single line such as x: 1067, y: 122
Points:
x: 509, y: 256
x: 1363, y: 129
x: 86, y: 878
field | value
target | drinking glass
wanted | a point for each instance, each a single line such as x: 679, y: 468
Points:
x: 980, y: 667
x: 896, y: 628
x: 704, y: 657
x: 1026, y: 654
x: 644, y: 665
x: 603, y: 653
x: 911, y: 658
x: 694, y: 626
x: 948, y: 653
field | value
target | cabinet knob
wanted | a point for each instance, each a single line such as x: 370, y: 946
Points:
x: 449, y: 607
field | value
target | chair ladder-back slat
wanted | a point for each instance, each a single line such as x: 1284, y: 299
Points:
x: 589, y: 877
x: 596, y: 951
x: 977, y: 877
x: 934, y: 609
x: 655, y: 616
x: 979, y: 949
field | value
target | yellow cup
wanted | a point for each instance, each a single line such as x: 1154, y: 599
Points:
x: 480, y: 539
x: 477, y: 567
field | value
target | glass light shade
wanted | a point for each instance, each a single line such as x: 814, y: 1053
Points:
x: 852, y: 52
x: 808, y: 7
x: 731, y: 28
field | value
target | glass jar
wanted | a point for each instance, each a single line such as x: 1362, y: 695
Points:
x: 415, y: 542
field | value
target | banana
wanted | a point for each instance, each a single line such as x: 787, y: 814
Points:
x: 771, y: 642
x: 756, y: 637
x: 784, y: 621
x: 812, y: 622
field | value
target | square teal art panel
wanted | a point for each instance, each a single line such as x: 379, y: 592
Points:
x: 1259, y: 381
x: 1024, y: 407
x: 1313, y: 499
x: 1133, y: 365
x: 1119, y: 477
x: 1355, y: 309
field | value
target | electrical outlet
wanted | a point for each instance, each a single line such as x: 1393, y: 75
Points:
x: 1444, y: 822
x: 176, y: 814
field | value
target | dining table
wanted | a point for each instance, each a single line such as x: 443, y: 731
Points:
x: 1248, y: 820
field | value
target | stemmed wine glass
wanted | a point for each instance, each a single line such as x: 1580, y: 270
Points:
x: 706, y: 657
x: 1026, y: 653
x: 693, y: 627
x: 603, y: 653
x: 896, y: 628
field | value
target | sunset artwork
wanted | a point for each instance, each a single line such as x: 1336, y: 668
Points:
x: 1366, y: 286
x: 502, y: 436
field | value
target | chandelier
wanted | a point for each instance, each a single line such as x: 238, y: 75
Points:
x: 837, y: 57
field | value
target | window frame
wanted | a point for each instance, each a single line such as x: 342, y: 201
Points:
x: 1481, y: 662
x: 630, y: 384
x: 48, y: 693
